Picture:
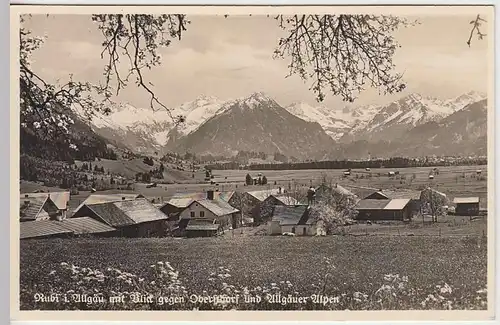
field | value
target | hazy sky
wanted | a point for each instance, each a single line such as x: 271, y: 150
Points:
x: 232, y: 57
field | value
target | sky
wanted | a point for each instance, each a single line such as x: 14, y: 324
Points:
x: 232, y: 57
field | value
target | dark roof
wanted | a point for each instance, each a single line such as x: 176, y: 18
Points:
x: 290, y: 215
x: 85, y: 225
x: 30, y: 207
x: 371, y: 204
x: 77, y: 226
x: 42, y: 228
x: 111, y: 214
x: 127, y: 212
x: 140, y: 210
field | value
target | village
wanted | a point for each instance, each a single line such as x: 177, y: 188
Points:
x: 328, y: 208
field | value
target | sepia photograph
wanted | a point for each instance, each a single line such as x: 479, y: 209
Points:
x: 253, y: 159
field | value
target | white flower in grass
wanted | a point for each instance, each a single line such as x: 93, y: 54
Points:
x: 446, y: 289
x: 167, y: 264
x: 160, y: 263
x: 52, y: 272
x: 64, y: 264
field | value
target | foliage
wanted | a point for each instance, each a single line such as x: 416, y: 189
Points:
x: 433, y: 202
x: 334, y: 209
x: 264, y: 180
x: 344, y: 53
x: 371, y: 279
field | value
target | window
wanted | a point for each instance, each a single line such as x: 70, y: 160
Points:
x: 202, y: 214
x: 193, y: 214
x: 304, y: 230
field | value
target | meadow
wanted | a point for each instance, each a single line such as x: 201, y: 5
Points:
x: 355, y: 273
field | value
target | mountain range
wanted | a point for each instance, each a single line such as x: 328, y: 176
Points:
x: 413, y: 125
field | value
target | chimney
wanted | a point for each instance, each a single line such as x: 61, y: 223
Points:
x: 335, y: 185
x: 210, y: 194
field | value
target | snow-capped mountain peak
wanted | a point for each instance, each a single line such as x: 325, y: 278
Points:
x: 255, y: 100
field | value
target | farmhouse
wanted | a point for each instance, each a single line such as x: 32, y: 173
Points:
x: 37, y: 208
x: 395, y: 209
x: 64, y: 228
x: 293, y: 219
x: 466, y: 206
x: 132, y: 218
x: 209, y: 208
x: 60, y: 199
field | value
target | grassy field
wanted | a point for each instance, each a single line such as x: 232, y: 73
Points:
x: 358, y: 272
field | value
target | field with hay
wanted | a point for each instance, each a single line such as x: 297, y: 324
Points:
x: 264, y: 273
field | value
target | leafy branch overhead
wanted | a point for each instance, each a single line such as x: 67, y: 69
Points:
x: 476, y: 24
x: 342, y: 53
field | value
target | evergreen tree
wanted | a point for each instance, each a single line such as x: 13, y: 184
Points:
x: 249, y: 180
x: 264, y: 180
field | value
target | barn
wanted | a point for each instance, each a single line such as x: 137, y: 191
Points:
x: 293, y: 219
x: 64, y: 228
x: 132, y: 217
x: 395, y: 209
x: 466, y: 206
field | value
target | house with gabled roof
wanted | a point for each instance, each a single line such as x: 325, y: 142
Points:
x: 60, y: 199
x: 35, y: 208
x: 293, y: 219
x: 213, y: 209
x: 131, y: 217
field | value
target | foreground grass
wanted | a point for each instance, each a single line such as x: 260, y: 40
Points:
x: 365, y: 273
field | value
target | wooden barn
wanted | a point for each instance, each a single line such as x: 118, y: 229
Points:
x: 83, y: 226
x: 466, y: 206
x: 395, y: 209
x: 132, y: 218
x: 293, y: 219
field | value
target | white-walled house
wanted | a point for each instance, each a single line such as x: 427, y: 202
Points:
x: 294, y: 219
x: 217, y: 210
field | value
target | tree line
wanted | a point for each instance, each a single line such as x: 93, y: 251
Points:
x: 395, y: 162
